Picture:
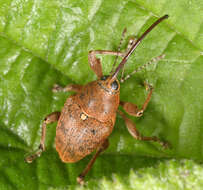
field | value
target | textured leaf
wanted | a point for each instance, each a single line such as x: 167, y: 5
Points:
x: 47, y: 42
x: 165, y: 175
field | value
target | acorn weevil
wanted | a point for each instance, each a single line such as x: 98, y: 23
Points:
x: 88, y: 117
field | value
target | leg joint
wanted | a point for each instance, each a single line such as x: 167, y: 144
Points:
x: 52, y: 117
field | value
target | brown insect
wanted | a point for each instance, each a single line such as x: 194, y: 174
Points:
x: 88, y: 117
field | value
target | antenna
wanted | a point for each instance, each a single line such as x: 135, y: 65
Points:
x: 124, y: 60
x: 119, y: 47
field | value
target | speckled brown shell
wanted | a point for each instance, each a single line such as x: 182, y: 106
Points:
x: 98, y: 101
x: 77, y: 134
x: 86, y: 120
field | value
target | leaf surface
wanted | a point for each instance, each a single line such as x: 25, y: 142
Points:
x: 47, y: 42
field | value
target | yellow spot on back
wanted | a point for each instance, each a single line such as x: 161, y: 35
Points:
x: 83, y: 116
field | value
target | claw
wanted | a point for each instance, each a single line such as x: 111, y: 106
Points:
x: 140, y: 113
x: 29, y: 159
x: 165, y: 145
x: 56, y: 88
x: 148, y: 86
x: 80, y: 180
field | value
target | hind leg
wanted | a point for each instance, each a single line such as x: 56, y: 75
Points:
x: 133, y: 110
x: 53, y: 117
x: 104, y: 146
x: 135, y: 133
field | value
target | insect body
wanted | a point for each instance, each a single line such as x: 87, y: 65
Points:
x: 88, y: 117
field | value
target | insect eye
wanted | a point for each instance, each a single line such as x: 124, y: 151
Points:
x: 114, y: 85
x: 104, y: 77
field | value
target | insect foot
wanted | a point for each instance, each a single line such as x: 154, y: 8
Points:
x: 148, y: 86
x: 57, y: 88
x: 165, y: 144
x: 140, y: 113
x: 29, y: 159
x: 80, y: 180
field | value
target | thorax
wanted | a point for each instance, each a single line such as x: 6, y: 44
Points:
x: 98, y: 102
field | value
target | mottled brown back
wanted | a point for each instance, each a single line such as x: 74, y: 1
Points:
x: 78, y: 134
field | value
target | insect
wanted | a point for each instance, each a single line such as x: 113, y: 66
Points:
x: 88, y: 117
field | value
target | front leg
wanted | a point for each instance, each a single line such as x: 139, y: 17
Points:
x: 132, y: 109
x: 95, y: 63
x: 71, y: 87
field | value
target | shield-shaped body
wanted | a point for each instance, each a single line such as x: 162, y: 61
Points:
x: 79, y: 132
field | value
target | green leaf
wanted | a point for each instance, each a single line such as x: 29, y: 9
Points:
x: 165, y: 175
x: 47, y: 42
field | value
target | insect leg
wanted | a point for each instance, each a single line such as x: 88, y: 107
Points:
x: 53, y: 117
x: 131, y: 41
x: 95, y: 63
x: 134, y: 132
x: 119, y: 48
x: 70, y: 87
x: 153, y: 60
x: 104, y: 146
x: 132, y: 109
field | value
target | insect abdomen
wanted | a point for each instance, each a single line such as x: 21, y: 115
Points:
x: 78, y: 134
